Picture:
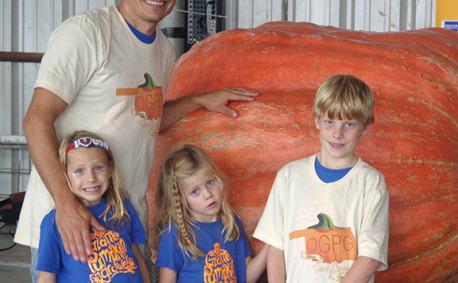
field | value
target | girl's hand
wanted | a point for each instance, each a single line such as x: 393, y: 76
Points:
x: 167, y: 275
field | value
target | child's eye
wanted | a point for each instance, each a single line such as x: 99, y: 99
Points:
x: 100, y: 168
x: 329, y: 122
x: 210, y: 182
x: 195, y: 192
x: 349, y: 124
x: 77, y: 172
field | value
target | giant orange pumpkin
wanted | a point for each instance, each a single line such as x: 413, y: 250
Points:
x: 414, y: 141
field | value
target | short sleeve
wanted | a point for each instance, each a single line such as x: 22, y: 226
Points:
x: 169, y: 253
x: 71, y: 58
x: 247, y: 248
x: 49, y: 252
x: 270, y: 228
x: 373, y: 237
x: 138, y: 234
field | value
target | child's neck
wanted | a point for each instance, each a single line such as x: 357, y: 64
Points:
x: 337, y: 163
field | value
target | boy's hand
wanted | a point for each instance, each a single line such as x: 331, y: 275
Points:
x: 362, y: 270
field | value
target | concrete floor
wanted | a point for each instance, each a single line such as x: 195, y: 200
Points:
x: 15, y: 261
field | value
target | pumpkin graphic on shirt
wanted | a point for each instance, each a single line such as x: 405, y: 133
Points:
x: 327, y: 243
x: 219, y: 266
x: 109, y: 257
x: 148, y: 101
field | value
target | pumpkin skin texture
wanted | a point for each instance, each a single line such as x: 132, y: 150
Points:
x: 413, y: 142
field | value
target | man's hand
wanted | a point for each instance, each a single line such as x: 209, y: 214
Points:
x: 73, y: 221
x: 217, y: 101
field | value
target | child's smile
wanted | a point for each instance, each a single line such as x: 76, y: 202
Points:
x: 89, y: 173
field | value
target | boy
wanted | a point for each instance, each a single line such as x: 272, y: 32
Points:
x: 326, y: 219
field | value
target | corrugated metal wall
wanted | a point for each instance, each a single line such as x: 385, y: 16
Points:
x: 369, y: 15
x: 25, y: 26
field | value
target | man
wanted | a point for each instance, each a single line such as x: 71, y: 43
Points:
x: 91, y: 78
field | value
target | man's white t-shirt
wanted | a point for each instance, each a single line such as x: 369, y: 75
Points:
x: 103, y: 72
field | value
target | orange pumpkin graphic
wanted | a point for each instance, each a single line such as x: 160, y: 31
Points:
x: 219, y: 266
x: 148, y: 98
x: 326, y: 242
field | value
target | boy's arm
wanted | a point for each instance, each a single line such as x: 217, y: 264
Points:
x: 46, y: 277
x: 167, y: 275
x: 276, y: 269
x: 255, y: 266
x: 141, y: 263
x: 361, y: 270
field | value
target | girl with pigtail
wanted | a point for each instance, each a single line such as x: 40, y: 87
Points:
x: 202, y: 239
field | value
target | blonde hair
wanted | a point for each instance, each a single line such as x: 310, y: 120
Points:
x: 172, y: 204
x: 115, y: 208
x: 345, y: 97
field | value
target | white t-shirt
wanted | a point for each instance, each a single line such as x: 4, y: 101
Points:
x: 96, y: 64
x: 323, y: 227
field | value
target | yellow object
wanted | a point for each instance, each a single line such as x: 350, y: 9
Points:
x: 446, y: 10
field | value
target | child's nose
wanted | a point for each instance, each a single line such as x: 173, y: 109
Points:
x: 338, y: 131
x: 90, y: 176
x: 207, y: 193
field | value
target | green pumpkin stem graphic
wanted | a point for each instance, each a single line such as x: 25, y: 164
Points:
x: 325, y: 223
x: 149, y: 82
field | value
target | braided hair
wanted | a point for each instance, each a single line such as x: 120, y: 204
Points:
x: 171, y: 201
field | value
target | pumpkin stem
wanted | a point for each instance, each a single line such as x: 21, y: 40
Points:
x: 149, y: 82
x: 325, y: 223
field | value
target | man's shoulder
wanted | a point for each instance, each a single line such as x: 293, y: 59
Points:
x: 92, y: 18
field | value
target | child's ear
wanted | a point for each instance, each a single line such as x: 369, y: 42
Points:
x: 367, y: 128
x: 316, y: 118
x: 110, y: 171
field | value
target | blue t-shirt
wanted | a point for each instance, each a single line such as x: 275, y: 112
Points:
x: 112, y: 260
x: 223, y: 261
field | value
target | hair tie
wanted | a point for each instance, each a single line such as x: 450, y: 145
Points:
x: 87, y: 142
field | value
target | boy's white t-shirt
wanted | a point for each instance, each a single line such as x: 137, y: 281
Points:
x: 96, y: 64
x: 323, y: 227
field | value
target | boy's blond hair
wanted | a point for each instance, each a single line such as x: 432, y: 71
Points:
x: 115, y: 212
x: 345, y: 97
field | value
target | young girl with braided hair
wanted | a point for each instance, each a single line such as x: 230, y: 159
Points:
x: 202, y: 239
x: 89, y: 167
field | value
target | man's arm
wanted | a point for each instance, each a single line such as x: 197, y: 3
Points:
x: 215, y: 101
x: 362, y: 270
x: 276, y: 269
x: 72, y: 218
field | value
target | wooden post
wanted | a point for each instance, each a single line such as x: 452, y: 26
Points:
x: 21, y: 57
